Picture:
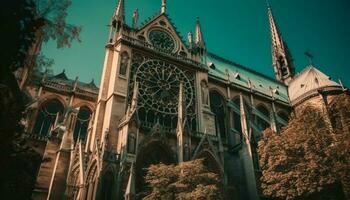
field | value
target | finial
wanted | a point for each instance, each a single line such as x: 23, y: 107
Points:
x: 119, y: 12
x: 310, y: 57
x: 199, y: 35
x: 163, y: 9
x: 268, y: 4
x: 190, y: 39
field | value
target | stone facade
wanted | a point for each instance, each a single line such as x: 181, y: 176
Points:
x: 161, y: 99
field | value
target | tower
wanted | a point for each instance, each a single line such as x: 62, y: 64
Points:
x: 281, y: 59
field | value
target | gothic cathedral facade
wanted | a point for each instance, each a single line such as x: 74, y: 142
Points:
x: 162, y: 99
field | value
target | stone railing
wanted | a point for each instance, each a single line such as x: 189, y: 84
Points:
x: 68, y: 88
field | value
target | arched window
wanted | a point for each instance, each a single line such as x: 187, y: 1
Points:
x: 261, y: 123
x: 123, y: 63
x: 217, y: 106
x: 47, y: 116
x: 236, y: 117
x: 82, y: 123
x: 131, y: 143
x: 283, y: 66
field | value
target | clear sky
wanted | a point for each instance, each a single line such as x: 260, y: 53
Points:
x: 234, y: 29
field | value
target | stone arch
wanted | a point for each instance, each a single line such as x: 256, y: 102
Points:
x: 51, y: 96
x: 46, y: 116
x: 154, y: 151
x: 84, y: 104
x: 91, y: 180
x: 218, y: 107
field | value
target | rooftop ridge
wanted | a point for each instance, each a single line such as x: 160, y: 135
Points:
x: 245, y: 68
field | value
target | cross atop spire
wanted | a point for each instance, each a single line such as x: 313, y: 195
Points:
x: 199, y: 36
x: 119, y: 13
x: 281, y: 58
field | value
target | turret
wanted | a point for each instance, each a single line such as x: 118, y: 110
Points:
x: 118, y: 19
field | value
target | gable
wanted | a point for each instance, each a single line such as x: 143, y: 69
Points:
x: 162, y: 23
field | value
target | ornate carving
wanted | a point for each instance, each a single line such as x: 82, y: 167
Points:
x: 158, y: 91
x: 162, y: 40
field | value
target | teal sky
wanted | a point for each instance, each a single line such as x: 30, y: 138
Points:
x: 234, y: 29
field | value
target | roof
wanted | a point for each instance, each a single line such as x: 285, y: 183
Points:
x: 309, y: 81
x: 241, y: 76
x: 63, y: 83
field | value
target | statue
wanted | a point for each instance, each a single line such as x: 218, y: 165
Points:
x: 204, y: 92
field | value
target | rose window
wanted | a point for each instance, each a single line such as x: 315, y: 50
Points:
x: 159, y: 86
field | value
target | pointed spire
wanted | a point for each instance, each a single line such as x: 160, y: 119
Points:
x: 130, y: 188
x: 281, y: 58
x: 135, y: 18
x: 199, y: 36
x: 275, y: 34
x: 119, y: 13
x: 163, y: 8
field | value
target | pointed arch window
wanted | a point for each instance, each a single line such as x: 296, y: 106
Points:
x: 237, y: 117
x: 47, y: 116
x: 217, y: 106
x: 82, y: 123
x: 264, y: 112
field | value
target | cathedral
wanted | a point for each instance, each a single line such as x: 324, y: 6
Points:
x: 162, y: 100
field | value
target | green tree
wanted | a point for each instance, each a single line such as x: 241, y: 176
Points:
x: 308, y: 159
x: 189, y: 180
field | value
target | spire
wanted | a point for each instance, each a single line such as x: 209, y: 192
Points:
x: 119, y: 12
x: 281, y: 58
x: 135, y: 18
x: 199, y: 36
x: 275, y: 34
x: 163, y: 8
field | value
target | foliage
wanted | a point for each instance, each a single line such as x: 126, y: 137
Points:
x: 25, y: 24
x: 307, y: 158
x: 189, y: 180
x: 52, y: 14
